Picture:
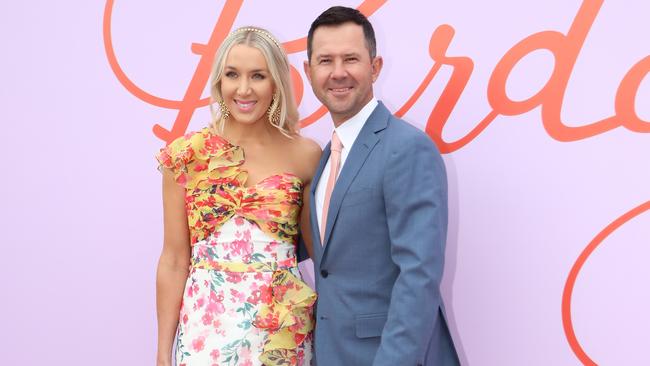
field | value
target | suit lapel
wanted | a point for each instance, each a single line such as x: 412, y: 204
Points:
x: 364, y: 143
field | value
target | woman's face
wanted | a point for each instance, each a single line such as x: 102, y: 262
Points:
x: 247, y: 86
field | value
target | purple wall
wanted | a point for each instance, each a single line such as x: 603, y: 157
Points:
x: 81, y: 201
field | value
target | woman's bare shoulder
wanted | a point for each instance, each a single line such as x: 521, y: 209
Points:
x: 308, y: 146
x: 306, y: 154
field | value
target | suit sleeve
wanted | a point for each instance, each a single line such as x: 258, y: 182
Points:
x: 415, y: 193
x: 301, y: 250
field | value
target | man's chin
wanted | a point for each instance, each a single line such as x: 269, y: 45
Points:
x: 338, y: 108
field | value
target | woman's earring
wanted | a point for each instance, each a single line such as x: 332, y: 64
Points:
x: 225, y: 112
x: 274, y: 110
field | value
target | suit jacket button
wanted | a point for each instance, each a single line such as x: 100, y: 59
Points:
x: 324, y: 273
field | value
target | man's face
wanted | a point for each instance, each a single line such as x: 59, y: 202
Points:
x: 340, y: 70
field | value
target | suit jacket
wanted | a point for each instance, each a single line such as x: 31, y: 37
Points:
x: 378, y: 272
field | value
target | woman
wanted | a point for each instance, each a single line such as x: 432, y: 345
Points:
x: 232, y: 197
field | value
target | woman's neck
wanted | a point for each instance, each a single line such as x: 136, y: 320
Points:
x: 238, y: 133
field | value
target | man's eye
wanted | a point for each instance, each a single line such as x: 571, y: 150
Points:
x: 351, y: 59
x: 324, y: 61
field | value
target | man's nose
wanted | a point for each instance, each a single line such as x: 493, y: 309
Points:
x: 339, y: 71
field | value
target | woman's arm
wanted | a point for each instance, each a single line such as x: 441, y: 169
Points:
x: 310, y: 156
x: 173, y: 266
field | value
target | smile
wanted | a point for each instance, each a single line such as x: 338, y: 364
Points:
x: 245, y: 106
x: 340, y: 90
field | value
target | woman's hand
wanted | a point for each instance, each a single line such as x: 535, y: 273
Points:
x: 164, y: 360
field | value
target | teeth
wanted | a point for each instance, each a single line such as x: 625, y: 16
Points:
x: 245, y: 105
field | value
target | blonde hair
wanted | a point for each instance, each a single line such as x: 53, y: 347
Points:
x: 278, y: 65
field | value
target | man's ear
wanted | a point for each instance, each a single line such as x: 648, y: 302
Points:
x: 307, y: 68
x: 377, y: 64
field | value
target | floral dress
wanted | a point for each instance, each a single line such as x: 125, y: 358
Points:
x: 244, y: 302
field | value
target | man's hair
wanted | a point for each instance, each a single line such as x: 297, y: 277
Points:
x: 338, y: 15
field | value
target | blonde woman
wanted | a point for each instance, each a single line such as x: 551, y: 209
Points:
x: 234, y: 197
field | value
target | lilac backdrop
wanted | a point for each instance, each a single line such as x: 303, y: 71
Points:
x: 81, y: 211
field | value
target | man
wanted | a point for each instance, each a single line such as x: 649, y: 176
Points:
x: 379, y: 216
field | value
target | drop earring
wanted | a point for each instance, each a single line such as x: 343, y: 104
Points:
x: 274, y: 110
x: 225, y: 112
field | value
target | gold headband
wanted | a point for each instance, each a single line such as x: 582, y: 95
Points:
x: 259, y: 31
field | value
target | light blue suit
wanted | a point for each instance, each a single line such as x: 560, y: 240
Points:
x: 378, y: 274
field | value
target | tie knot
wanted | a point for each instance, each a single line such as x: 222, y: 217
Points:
x: 336, y: 143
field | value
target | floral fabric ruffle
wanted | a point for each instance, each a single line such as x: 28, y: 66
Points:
x: 209, y: 167
x: 286, y: 315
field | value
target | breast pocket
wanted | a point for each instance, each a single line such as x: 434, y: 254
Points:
x: 370, y: 325
x: 360, y: 196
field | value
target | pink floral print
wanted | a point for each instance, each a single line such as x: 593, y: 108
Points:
x: 243, y: 300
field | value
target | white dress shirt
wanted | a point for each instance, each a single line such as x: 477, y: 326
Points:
x: 347, y: 133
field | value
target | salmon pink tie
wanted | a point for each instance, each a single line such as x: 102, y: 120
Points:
x: 335, y: 166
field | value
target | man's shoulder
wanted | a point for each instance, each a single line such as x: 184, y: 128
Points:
x: 403, y: 126
x: 403, y: 133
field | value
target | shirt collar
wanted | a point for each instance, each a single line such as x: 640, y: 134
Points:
x: 349, y: 130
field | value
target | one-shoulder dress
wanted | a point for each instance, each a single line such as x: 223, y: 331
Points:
x: 244, y: 302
